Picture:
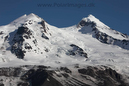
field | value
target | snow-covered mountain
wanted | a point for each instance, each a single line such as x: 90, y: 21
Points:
x: 103, y: 33
x: 30, y: 40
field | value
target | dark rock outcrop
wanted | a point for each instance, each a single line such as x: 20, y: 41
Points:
x: 1, y: 32
x: 44, y: 76
x: 107, y: 76
x: 76, y: 50
x: 65, y: 69
x: 104, y: 38
x: 44, y: 36
x: 35, y: 77
x: 44, y: 30
x: 84, y: 23
x: 16, y: 47
x: 43, y: 24
x: 6, y: 37
x: 44, y: 27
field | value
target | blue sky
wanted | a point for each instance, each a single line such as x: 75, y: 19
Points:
x: 114, y: 13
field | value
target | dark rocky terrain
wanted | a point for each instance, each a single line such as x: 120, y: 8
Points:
x: 63, y: 76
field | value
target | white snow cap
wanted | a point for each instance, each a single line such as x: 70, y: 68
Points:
x: 92, y: 18
x: 25, y: 18
x: 32, y: 15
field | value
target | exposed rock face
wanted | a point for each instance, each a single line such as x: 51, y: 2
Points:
x: 44, y: 36
x: 65, y: 69
x: 84, y: 23
x: 20, y: 36
x: 19, y: 45
x: 35, y: 77
x: 43, y: 76
x: 105, y: 38
x: 1, y: 32
x: 6, y: 38
x: 43, y: 24
x: 76, y: 50
x: 107, y: 76
x: 44, y: 30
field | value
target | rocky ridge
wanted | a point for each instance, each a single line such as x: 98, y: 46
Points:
x: 63, y: 76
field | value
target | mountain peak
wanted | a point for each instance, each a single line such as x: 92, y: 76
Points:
x: 93, y: 25
x: 32, y: 15
x: 92, y: 18
x: 23, y: 19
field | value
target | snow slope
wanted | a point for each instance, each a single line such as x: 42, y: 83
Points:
x: 29, y: 40
x: 104, y: 28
